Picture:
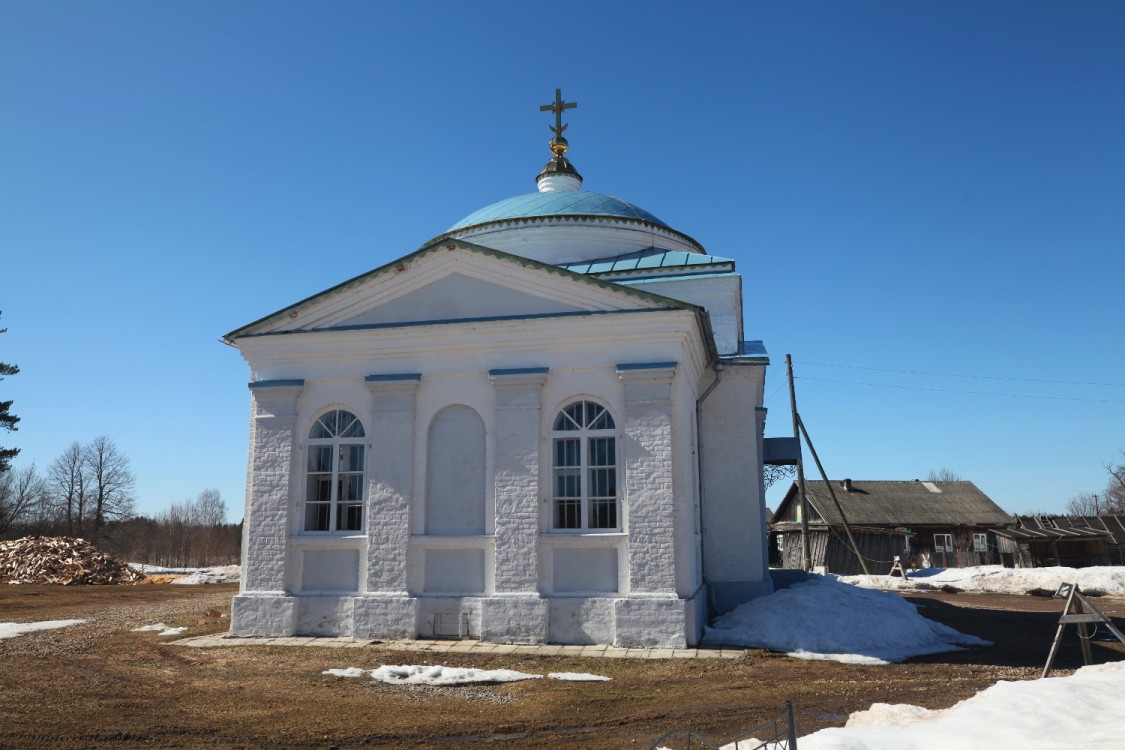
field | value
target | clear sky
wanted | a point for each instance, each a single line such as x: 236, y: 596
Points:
x: 908, y: 188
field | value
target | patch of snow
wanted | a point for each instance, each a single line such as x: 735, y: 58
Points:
x: 410, y: 674
x: 577, y: 677
x: 996, y: 579
x: 437, y: 675
x: 824, y: 619
x: 191, y: 576
x: 1082, y: 710
x: 13, y: 629
x: 159, y: 628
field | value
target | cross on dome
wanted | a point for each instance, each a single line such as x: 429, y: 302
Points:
x: 559, y: 174
x: 557, y: 107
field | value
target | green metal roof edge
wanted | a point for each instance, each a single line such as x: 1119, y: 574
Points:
x: 446, y: 242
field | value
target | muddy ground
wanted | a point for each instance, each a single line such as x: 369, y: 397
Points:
x: 99, y: 685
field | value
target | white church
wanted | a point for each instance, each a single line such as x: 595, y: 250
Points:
x: 544, y: 426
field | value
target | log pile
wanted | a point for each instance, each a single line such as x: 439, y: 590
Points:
x: 62, y: 560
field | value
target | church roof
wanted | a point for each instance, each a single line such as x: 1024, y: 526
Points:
x: 565, y: 203
x: 650, y: 258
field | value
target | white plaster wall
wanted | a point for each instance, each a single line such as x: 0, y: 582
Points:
x: 733, y: 498
x: 325, y: 615
x: 721, y: 296
x: 582, y: 621
x: 581, y: 357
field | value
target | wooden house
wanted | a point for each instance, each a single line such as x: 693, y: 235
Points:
x: 1069, y: 541
x: 926, y: 524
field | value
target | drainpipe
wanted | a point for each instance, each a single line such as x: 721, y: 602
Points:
x: 699, y: 475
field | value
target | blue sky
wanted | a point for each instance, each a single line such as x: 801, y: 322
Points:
x: 912, y: 188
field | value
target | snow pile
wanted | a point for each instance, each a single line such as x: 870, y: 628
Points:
x: 412, y: 674
x: 823, y: 619
x: 1082, y: 710
x: 189, y: 576
x: 160, y: 629
x: 12, y: 629
x: 995, y: 579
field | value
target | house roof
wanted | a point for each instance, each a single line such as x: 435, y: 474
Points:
x: 1060, y: 527
x: 900, y: 503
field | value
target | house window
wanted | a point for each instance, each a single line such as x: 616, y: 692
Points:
x: 584, y: 468
x: 980, y: 543
x: 334, y: 474
x: 943, y: 542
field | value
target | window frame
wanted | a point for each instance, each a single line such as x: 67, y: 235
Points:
x: 336, y: 473
x: 939, y: 547
x: 980, y: 542
x: 609, y: 469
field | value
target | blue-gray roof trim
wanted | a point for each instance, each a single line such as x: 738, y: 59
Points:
x: 517, y: 371
x: 393, y: 378
x: 274, y: 383
x: 646, y: 366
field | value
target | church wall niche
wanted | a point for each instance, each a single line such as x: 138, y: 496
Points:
x: 454, y: 571
x: 330, y: 570
x: 455, y: 473
x: 585, y: 570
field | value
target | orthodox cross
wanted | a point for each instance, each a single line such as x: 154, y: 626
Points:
x: 557, y: 107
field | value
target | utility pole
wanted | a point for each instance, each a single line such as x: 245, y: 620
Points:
x: 806, y: 552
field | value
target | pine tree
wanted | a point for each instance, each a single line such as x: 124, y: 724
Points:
x: 7, y: 419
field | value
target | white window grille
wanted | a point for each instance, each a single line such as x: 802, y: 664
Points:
x: 584, y: 469
x: 943, y: 542
x: 980, y: 543
x: 334, y: 492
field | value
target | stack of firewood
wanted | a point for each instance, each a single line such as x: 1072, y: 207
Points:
x: 60, y: 559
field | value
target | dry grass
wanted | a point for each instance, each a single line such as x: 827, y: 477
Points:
x: 99, y: 685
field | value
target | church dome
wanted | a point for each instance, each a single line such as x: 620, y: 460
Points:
x: 563, y: 224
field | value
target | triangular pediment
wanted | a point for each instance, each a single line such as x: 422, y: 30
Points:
x: 454, y: 281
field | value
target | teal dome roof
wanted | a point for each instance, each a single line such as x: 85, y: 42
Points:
x: 562, y: 203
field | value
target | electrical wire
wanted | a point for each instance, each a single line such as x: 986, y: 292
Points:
x: 956, y: 375
x: 969, y: 393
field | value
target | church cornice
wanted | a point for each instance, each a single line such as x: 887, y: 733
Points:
x: 622, y: 221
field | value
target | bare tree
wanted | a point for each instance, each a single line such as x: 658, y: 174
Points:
x: 1083, y: 504
x: 67, y: 481
x: 7, y: 419
x: 21, y: 491
x: 943, y: 475
x: 111, y: 483
x: 1115, y: 487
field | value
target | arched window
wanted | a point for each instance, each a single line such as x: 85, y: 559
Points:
x: 334, y: 483
x: 584, y: 468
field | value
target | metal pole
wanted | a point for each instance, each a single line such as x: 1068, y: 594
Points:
x: 792, y: 715
x: 806, y: 551
x: 832, y: 492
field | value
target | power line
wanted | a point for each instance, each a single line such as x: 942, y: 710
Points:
x: 956, y: 375
x: 969, y: 393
